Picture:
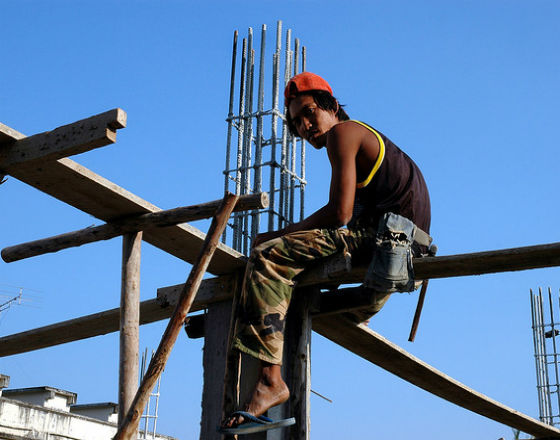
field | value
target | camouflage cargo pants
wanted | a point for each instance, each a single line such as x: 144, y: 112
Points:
x: 269, y: 283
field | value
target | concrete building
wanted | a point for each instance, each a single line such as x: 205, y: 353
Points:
x: 47, y: 413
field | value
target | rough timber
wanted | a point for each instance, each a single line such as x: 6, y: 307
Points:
x: 219, y: 289
x: 68, y: 181
x: 126, y: 225
x: 80, y: 187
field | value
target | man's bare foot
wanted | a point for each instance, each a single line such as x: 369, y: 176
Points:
x: 270, y: 390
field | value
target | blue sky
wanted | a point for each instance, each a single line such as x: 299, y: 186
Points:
x: 469, y: 89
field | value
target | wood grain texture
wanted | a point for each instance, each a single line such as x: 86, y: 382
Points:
x: 438, y: 267
x: 78, y: 137
x: 214, y: 369
x: 129, y: 329
x: 89, y: 192
x: 211, y: 291
x: 297, y: 365
x: 476, y: 263
x: 361, y: 341
x: 129, y: 425
x: 127, y: 225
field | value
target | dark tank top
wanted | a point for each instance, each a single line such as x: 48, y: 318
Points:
x: 395, y: 184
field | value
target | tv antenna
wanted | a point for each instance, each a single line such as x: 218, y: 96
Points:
x: 11, y: 296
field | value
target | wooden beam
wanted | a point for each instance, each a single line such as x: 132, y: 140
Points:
x: 296, y: 367
x: 211, y: 291
x: 325, y: 275
x: 358, y: 339
x: 87, y: 191
x: 8, y: 134
x: 477, y: 263
x: 128, y: 427
x: 78, y: 137
x: 214, y: 369
x: 126, y: 225
x: 129, y: 329
x: 366, y: 343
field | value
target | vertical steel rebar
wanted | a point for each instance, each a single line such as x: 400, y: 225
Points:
x: 558, y: 423
x: 157, y: 407
x: 247, y: 116
x: 142, y: 372
x: 255, y: 215
x: 288, y: 212
x: 230, y: 120
x: 535, y: 349
x: 302, y: 159
x: 274, y: 124
x: 250, y: 157
x: 537, y: 335
x: 248, y: 137
x: 546, y: 373
x: 283, y: 208
x: 541, y: 363
x: 293, y: 142
x: 544, y: 362
x: 554, y: 357
x: 283, y: 152
x: 237, y: 219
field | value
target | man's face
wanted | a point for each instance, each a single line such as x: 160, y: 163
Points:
x: 311, y: 122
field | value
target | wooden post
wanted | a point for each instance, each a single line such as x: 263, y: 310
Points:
x: 296, y: 368
x: 230, y: 400
x: 130, y: 423
x: 241, y: 375
x: 214, y: 361
x: 129, y: 322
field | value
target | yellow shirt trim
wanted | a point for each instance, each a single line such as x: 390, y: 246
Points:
x: 380, y: 156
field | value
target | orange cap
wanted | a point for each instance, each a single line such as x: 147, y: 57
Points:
x: 304, y: 82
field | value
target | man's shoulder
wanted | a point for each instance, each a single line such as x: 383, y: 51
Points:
x: 347, y: 130
x: 347, y: 126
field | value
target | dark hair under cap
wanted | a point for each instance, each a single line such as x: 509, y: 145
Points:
x: 325, y: 101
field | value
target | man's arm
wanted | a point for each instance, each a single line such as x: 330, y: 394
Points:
x: 343, y: 144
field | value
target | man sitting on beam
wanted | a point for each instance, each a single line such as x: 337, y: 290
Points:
x: 370, y: 177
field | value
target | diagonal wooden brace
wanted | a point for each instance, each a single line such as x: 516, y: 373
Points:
x: 157, y: 364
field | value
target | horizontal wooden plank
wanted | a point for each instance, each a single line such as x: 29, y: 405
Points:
x: 97, y: 324
x: 127, y: 225
x: 80, y: 187
x: 358, y: 339
x: 476, y: 263
x: 78, y: 137
x: 366, y: 343
x: 319, y: 276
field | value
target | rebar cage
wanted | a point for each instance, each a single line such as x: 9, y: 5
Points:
x: 546, y: 329
x: 267, y: 158
x: 150, y: 415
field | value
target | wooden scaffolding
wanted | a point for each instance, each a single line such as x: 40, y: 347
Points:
x: 41, y: 161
